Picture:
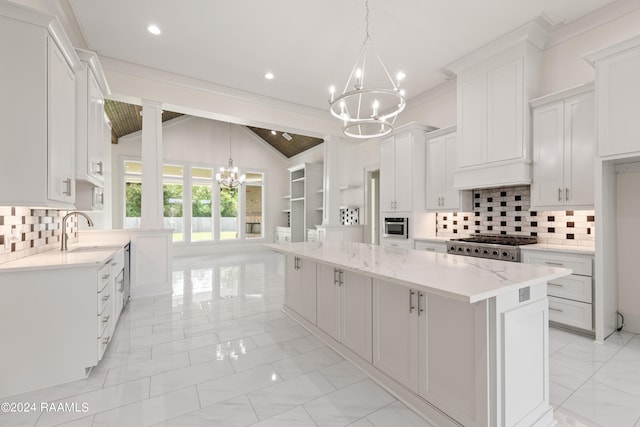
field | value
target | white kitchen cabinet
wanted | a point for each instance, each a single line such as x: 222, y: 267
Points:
x: 494, y: 86
x: 571, y: 297
x: 306, y: 199
x: 397, y: 326
x: 300, y: 287
x: 402, y: 174
x: 91, y: 88
x: 617, y: 88
x: 38, y: 75
x: 564, y: 150
x: 396, y: 243
x: 344, y: 308
x: 441, y: 164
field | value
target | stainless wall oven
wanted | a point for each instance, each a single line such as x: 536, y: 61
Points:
x: 397, y: 228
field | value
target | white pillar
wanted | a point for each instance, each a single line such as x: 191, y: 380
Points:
x: 331, y: 212
x: 152, y: 201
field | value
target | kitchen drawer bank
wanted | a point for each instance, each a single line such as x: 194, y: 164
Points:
x: 462, y: 341
x: 58, y: 312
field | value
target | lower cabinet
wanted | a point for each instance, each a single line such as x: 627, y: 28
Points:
x: 397, y: 327
x: 344, y: 308
x: 430, y: 246
x: 300, y: 289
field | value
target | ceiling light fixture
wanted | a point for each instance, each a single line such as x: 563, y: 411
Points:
x: 153, y: 29
x: 273, y: 132
x: 269, y: 76
x: 368, y: 111
x: 230, y: 177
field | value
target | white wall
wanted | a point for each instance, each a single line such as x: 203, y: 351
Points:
x: 203, y: 141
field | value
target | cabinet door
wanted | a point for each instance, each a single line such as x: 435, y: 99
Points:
x: 355, y: 306
x: 547, y: 188
x: 94, y: 128
x: 307, y: 276
x: 451, y: 196
x: 61, y: 123
x: 328, y: 303
x: 618, y: 103
x: 505, y: 104
x: 403, y: 172
x: 292, y: 291
x: 435, y: 172
x: 472, y: 118
x: 387, y: 175
x: 579, y: 150
x: 395, y: 332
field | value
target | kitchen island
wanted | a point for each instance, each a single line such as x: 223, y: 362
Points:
x: 462, y: 341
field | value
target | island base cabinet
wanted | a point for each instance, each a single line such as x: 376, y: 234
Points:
x: 396, y: 327
x: 344, y: 308
x: 300, y: 289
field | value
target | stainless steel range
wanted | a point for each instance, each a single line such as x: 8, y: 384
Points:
x: 494, y: 246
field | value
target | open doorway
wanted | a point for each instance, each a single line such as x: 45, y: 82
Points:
x: 373, y: 207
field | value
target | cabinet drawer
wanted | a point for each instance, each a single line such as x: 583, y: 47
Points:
x: 117, y: 262
x: 103, y: 321
x: 578, y: 288
x: 103, y: 342
x: 572, y: 313
x: 431, y: 247
x: 104, y: 274
x: 104, y: 298
x: 582, y: 265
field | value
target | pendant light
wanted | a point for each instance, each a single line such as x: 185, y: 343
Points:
x: 230, y: 177
x: 371, y: 100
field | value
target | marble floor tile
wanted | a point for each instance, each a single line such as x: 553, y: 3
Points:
x: 306, y: 343
x: 604, y: 405
x: 126, y: 373
x: 569, y: 372
x: 296, y: 417
x: 558, y: 338
x: 588, y: 351
x: 363, y: 422
x: 348, y: 404
x: 396, y: 414
x: 98, y: 401
x: 236, y: 412
x: 234, y: 385
x: 279, y: 335
x: 342, y: 374
x: 622, y: 373
x: 171, y: 347
x: 295, y: 366
x: 263, y: 355
x: 558, y: 394
x: 150, y: 411
x: 287, y: 395
x: 131, y: 343
x: 230, y: 350
x: 192, y: 375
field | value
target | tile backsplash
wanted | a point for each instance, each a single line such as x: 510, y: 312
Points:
x: 506, y: 211
x: 26, y: 231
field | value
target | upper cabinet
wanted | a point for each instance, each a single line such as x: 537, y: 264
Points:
x: 91, y: 88
x: 402, y: 173
x: 564, y: 149
x: 38, y: 125
x: 306, y: 199
x: 494, y: 86
x: 442, y: 153
x: 618, y: 89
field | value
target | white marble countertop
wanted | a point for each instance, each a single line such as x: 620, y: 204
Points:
x: 432, y: 239
x: 88, y: 253
x: 467, y: 279
x: 543, y: 247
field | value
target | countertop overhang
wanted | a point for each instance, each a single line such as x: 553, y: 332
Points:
x: 458, y: 277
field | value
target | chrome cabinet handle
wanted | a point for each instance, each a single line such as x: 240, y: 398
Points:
x: 99, y: 167
x: 559, y: 194
x: 106, y: 319
x: 420, y: 308
x: 335, y: 276
x: 566, y: 194
x: 411, y: 293
x: 555, y: 284
x: 105, y: 277
x: 556, y: 309
x: 106, y: 297
x: 340, y: 277
x: 105, y: 341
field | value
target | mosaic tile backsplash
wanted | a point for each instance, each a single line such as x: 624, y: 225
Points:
x: 26, y: 231
x: 506, y: 211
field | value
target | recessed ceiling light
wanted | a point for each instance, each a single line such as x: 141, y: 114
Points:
x: 269, y: 76
x: 153, y: 29
x: 273, y: 132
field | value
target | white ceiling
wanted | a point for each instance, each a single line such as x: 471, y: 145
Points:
x: 308, y: 45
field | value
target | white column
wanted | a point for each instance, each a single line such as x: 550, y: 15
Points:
x: 331, y: 213
x: 152, y: 202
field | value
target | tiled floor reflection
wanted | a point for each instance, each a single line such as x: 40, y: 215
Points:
x: 219, y: 352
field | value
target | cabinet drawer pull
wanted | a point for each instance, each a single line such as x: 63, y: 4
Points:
x: 105, y: 341
x: 555, y: 284
x: 430, y: 249
x: 335, y: 276
x: 556, y: 309
x: 566, y: 194
x: 340, y: 277
x: 557, y: 264
x: 105, y: 276
x: 420, y: 308
x: 67, y: 184
x: 106, y: 297
x: 559, y: 194
x: 106, y: 319
x: 411, y: 307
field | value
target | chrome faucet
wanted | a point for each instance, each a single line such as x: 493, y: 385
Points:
x: 65, y: 237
